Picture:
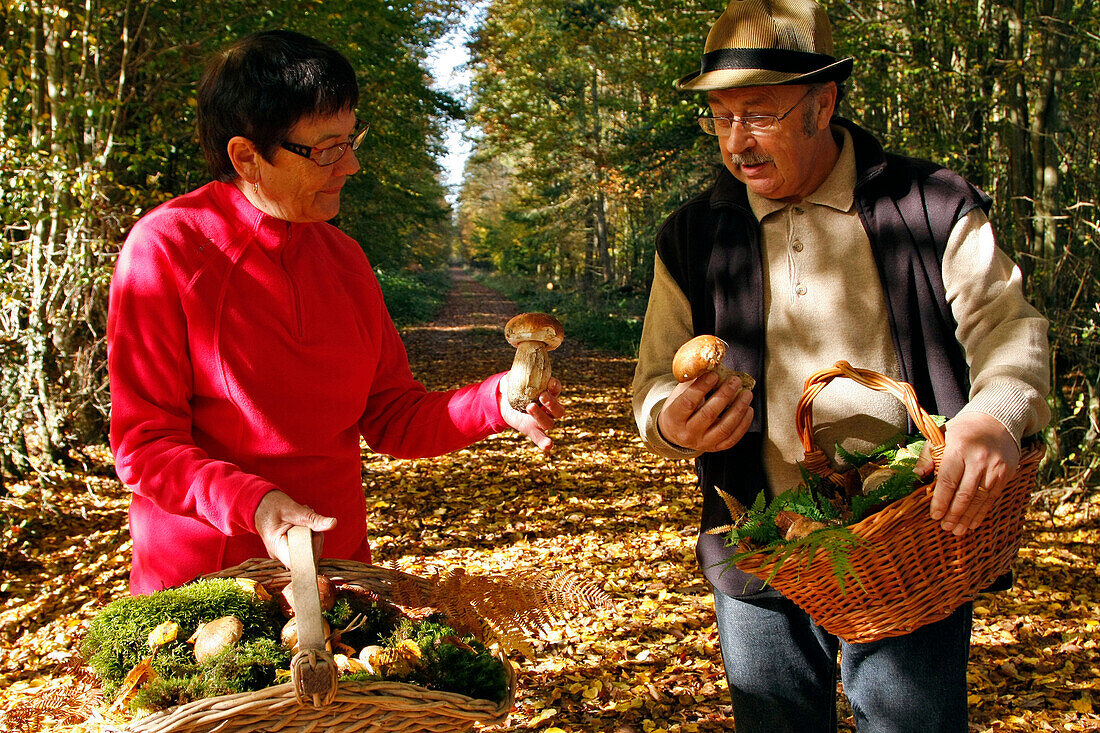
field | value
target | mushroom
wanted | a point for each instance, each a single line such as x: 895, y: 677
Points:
x: 534, y: 335
x: 213, y: 637
x: 794, y: 526
x: 348, y: 665
x: 371, y: 658
x: 877, y: 478
x: 704, y: 354
x: 326, y: 591
x: 254, y: 588
x: 289, y: 635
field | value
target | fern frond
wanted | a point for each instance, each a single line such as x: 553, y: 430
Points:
x: 853, y: 458
x: 736, y: 510
x: 507, y: 608
x: 68, y: 705
x: 837, y: 543
x: 406, y: 591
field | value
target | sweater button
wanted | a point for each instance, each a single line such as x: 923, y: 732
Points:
x: 800, y: 290
x: 797, y: 245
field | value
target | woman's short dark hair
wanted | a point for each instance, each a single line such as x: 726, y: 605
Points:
x: 261, y: 86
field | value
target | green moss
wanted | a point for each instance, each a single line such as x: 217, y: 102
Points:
x: 243, y: 667
x: 340, y: 614
x: 448, y: 667
x: 117, y: 638
x: 361, y: 677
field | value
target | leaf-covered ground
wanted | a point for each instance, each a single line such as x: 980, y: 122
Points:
x: 601, y: 506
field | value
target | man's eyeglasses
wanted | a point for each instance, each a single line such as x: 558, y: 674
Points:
x: 333, y: 153
x: 752, y: 124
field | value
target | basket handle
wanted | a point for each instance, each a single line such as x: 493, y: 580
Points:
x: 312, y: 670
x: 816, y: 460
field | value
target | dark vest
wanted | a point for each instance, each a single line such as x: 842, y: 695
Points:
x: 711, y: 247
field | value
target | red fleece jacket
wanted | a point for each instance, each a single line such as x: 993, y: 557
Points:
x: 248, y: 354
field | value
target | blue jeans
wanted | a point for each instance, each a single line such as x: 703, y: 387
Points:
x: 781, y: 669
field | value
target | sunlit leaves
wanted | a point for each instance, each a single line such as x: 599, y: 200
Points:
x: 600, y: 507
x: 576, y: 119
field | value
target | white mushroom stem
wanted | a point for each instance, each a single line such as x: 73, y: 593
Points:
x: 723, y: 372
x: 530, y: 374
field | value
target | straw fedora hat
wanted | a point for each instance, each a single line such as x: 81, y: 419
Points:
x: 766, y: 42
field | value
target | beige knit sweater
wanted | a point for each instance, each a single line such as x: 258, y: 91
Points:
x: 823, y: 302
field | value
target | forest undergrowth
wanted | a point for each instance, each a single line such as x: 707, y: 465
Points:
x: 600, y: 506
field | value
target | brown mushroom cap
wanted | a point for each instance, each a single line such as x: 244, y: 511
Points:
x: 697, y: 357
x: 214, y: 636
x: 535, y: 327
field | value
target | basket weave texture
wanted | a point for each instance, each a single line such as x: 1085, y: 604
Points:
x: 356, y: 707
x: 910, y: 572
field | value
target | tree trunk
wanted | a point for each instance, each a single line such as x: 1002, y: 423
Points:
x: 36, y: 389
x: 599, y: 203
x: 603, y: 248
x: 1021, y: 191
x: 587, y: 284
x: 1044, y: 152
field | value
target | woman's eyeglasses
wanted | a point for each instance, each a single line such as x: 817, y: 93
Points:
x: 333, y: 153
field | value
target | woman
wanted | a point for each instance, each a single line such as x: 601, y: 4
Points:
x: 248, y: 344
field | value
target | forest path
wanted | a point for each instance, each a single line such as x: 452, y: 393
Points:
x: 599, y: 506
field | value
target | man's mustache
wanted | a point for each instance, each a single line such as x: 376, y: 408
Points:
x: 750, y: 158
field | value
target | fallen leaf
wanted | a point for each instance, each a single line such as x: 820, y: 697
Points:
x: 162, y: 634
x: 141, y: 674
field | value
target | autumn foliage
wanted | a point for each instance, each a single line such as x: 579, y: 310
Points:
x: 600, y: 507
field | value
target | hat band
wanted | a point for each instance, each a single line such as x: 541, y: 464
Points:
x: 772, y: 59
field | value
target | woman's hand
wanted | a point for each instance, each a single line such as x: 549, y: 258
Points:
x: 538, y: 418
x: 979, y: 458
x: 274, y: 517
x: 704, y: 416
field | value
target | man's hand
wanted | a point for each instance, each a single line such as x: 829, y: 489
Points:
x: 538, y: 418
x: 979, y: 458
x: 276, y: 514
x: 696, y: 418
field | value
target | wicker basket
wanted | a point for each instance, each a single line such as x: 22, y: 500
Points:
x: 910, y: 571
x: 314, y: 701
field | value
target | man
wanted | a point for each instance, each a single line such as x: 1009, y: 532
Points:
x: 815, y: 245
